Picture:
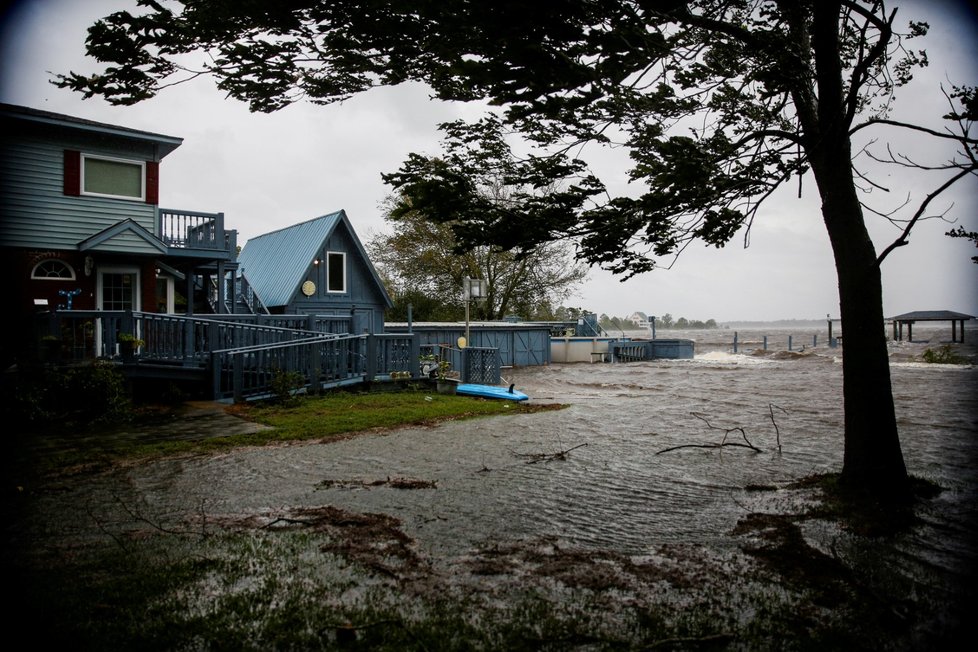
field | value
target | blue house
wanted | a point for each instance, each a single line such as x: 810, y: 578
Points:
x: 318, y: 267
x: 81, y: 229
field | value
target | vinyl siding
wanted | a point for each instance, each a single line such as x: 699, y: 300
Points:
x: 36, y: 213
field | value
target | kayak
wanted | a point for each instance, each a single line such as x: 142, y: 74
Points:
x: 490, y: 391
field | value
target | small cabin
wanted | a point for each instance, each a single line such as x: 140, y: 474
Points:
x: 317, y: 267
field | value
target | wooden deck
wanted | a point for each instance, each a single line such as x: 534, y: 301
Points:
x: 236, y: 357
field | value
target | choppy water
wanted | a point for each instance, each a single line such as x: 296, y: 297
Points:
x: 614, y: 491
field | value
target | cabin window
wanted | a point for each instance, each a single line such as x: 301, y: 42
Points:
x: 108, y: 177
x: 53, y: 270
x: 335, y: 271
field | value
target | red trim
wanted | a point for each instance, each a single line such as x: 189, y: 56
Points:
x: 72, y: 176
x: 152, y: 182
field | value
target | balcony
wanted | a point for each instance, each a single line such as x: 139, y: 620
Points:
x: 195, y: 234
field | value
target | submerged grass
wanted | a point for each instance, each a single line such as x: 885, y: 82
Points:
x: 327, y: 417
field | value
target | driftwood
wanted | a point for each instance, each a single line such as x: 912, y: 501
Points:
x: 722, y: 444
x: 392, y: 482
x: 534, y: 458
x: 777, y: 431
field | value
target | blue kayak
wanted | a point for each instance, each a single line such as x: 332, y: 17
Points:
x: 490, y: 391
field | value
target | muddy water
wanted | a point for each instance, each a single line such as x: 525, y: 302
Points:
x: 593, y: 475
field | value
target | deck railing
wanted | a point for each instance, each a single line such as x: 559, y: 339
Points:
x: 246, y: 357
x: 192, y: 230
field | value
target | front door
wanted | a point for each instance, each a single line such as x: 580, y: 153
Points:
x: 118, y: 289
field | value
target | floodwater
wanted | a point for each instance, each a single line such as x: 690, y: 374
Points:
x: 596, y: 475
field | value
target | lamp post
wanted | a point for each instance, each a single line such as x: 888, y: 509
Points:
x: 474, y: 289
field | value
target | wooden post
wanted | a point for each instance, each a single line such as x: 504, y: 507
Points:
x: 789, y: 343
x: 765, y: 342
x: 735, y: 341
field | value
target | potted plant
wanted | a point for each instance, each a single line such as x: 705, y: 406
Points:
x: 444, y: 383
x: 429, y: 365
x: 128, y: 344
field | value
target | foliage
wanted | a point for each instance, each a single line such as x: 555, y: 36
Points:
x: 717, y: 103
x: 943, y: 355
x: 422, y: 265
x: 131, y: 339
x: 79, y: 397
x: 285, y: 386
x: 968, y: 235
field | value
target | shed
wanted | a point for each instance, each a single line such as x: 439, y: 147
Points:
x: 317, y: 267
x: 520, y: 344
x: 910, y: 318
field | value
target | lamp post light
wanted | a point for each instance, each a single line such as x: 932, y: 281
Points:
x: 475, y: 290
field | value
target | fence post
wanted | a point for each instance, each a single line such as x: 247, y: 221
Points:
x: 237, y: 376
x: 371, y: 369
x: 312, y: 351
x: 415, y: 346
x: 815, y: 340
x: 789, y: 343
x: 735, y: 342
x: 765, y: 342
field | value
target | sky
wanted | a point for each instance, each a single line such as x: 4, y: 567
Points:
x: 269, y: 171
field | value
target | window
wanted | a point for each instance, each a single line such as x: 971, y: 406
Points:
x: 108, y: 177
x: 53, y: 269
x: 119, y: 291
x: 335, y: 271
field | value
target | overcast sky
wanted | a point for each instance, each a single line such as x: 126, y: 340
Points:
x: 266, y: 172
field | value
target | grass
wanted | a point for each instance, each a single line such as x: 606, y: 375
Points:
x: 328, y: 417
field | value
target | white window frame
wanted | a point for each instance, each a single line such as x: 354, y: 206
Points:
x: 71, y: 271
x: 135, y: 163
x: 329, y: 284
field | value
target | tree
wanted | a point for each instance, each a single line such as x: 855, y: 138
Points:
x: 718, y: 102
x: 421, y: 265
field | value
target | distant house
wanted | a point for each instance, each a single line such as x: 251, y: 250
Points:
x: 318, y: 267
x: 81, y: 227
x: 639, y: 319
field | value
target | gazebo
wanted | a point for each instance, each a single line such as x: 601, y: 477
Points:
x: 909, y: 318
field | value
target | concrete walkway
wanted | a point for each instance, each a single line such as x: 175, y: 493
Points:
x: 193, y: 421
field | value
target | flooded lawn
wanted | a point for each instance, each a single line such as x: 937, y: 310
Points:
x: 616, y: 522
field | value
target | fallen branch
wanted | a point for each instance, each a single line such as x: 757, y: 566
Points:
x: 722, y: 444
x: 533, y: 458
x: 777, y: 431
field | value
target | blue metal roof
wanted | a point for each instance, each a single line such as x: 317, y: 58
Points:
x: 275, y: 263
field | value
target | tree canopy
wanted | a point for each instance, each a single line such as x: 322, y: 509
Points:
x: 718, y: 103
x: 422, y: 265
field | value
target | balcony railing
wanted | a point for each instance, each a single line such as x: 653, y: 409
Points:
x: 193, y: 230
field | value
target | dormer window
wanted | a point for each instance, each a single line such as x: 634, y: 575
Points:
x: 108, y: 177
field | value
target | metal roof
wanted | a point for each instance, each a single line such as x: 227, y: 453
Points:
x: 275, y: 263
x: 931, y: 315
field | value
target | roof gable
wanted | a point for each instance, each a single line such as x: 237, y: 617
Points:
x: 127, y: 237
x: 276, y: 263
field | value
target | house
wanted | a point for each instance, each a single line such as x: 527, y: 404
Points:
x: 639, y: 319
x: 81, y: 228
x: 317, y: 267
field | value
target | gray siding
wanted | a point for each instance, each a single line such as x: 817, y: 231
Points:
x: 35, y: 213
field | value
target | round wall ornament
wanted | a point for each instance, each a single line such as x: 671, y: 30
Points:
x: 309, y: 288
